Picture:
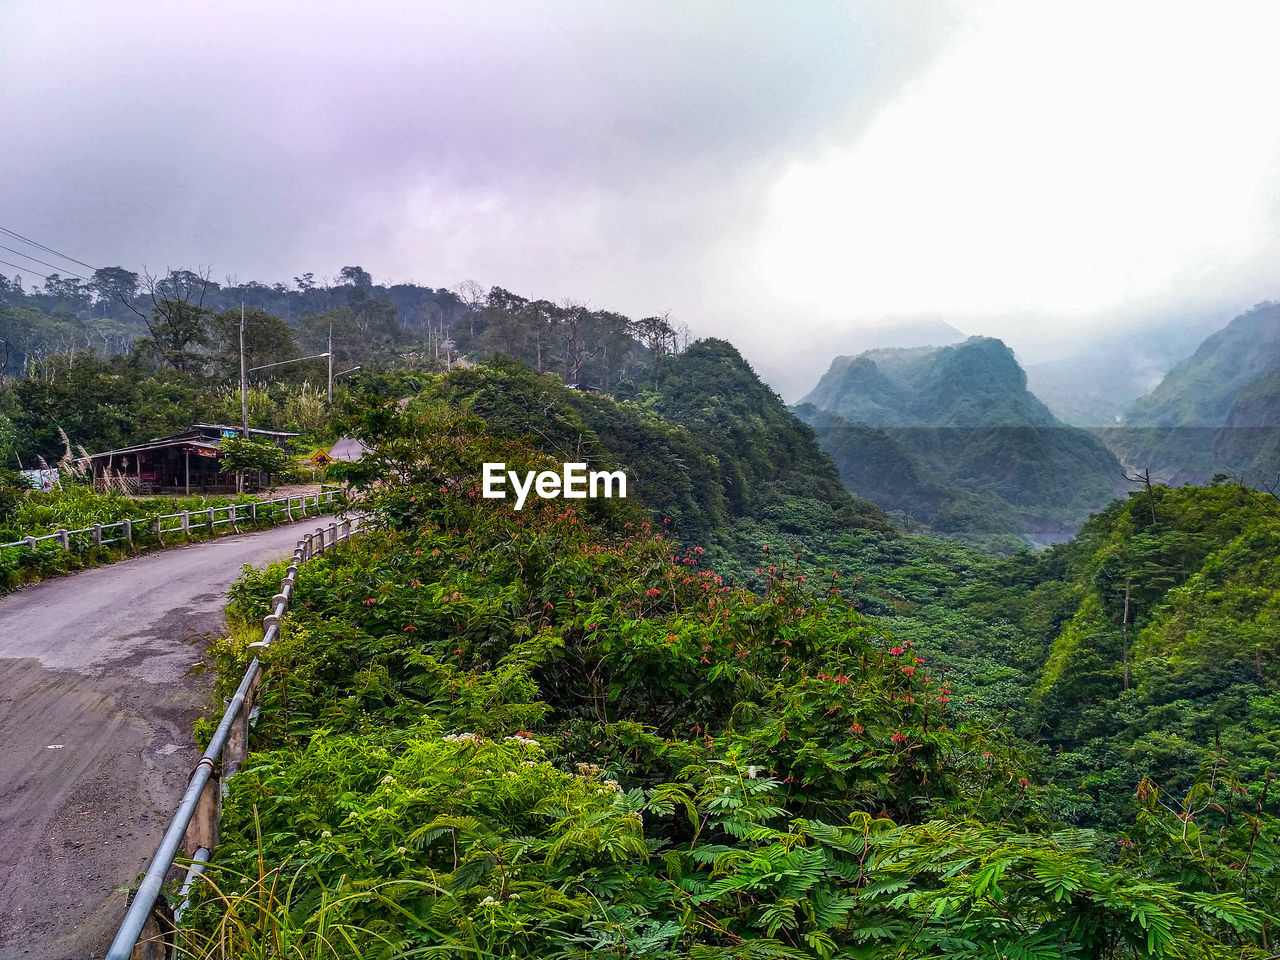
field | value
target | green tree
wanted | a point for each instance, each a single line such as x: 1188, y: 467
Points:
x: 253, y: 456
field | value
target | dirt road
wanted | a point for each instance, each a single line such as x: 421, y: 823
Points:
x: 97, y: 699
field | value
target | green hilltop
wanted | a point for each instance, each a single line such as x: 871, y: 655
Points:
x: 950, y: 438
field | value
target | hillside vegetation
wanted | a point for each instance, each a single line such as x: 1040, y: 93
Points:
x: 557, y: 732
x: 1218, y: 411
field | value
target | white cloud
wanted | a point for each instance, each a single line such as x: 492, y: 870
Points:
x: 1058, y: 159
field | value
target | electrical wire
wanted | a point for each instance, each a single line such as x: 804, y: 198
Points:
x: 15, y: 266
x: 36, y: 243
x: 27, y: 256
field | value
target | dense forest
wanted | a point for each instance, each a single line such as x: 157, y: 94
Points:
x: 125, y: 357
x: 572, y: 729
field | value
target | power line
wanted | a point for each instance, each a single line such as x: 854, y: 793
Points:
x: 35, y: 243
x: 27, y: 256
x: 16, y: 267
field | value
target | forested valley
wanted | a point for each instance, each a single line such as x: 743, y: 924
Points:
x: 742, y: 713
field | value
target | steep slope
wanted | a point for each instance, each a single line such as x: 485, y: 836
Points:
x: 1248, y: 444
x: 965, y: 412
x: 1095, y: 385
x: 708, y: 446
x: 884, y: 471
x: 1176, y: 431
x: 1196, y: 592
x: 1199, y: 391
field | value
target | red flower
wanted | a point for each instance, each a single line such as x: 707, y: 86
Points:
x: 898, y: 738
x: 652, y: 592
x: 895, y: 652
x: 410, y: 628
x: 855, y: 728
x: 909, y: 671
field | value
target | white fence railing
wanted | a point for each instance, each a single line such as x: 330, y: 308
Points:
x: 154, y: 529
x: 147, y: 928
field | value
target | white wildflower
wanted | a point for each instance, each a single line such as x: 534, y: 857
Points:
x: 751, y: 772
x: 325, y: 835
x: 488, y: 901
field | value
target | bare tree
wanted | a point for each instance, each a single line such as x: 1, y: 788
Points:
x: 1145, y: 478
x: 177, y: 317
x: 573, y: 330
x: 474, y: 298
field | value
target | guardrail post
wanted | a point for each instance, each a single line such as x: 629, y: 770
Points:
x: 64, y: 538
x: 30, y: 542
x: 302, y: 503
x: 212, y: 528
x: 97, y: 534
x: 128, y: 532
x: 237, y: 749
x: 333, y: 534
x: 159, y: 530
x: 288, y: 508
x: 253, y: 512
x: 234, y: 526
x: 186, y: 522
x: 202, y: 831
x: 156, y: 938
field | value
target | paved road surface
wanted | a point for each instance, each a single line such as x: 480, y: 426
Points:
x: 97, y: 699
x: 348, y: 448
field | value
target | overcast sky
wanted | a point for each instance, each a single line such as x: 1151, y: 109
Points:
x: 778, y: 173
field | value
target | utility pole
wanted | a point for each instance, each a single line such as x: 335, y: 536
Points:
x: 244, y: 382
x: 244, y: 399
x: 330, y: 364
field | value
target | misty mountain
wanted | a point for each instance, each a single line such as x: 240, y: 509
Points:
x: 910, y: 333
x: 951, y: 424
x: 1095, y: 386
x: 792, y: 373
x: 1215, y: 411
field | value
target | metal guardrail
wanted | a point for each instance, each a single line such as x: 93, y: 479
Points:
x: 155, y: 528
x: 146, y: 927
